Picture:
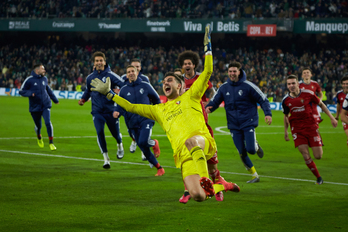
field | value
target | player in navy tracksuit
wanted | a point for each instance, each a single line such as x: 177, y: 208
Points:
x: 40, y: 94
x: 102, y: 108
x: 136, y: 63
x: 241, y: 98
x: 140, y: 92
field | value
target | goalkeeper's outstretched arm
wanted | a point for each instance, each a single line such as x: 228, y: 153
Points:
x: 141, y: 109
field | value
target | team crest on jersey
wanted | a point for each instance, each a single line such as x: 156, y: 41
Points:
x: 240, y: 92
x: 345, y: 103
x: 312, y: 87
x: 289, y: 104
x: 141, y: 90
x: 43, y: 82
x: 302, y: 100
x: 178, y: 102
x: 104, y: 79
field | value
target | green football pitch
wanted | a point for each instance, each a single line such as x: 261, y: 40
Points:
x: 68, y: 190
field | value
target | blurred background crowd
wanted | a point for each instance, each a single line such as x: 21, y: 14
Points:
x: 173, y: 9
x: 267, y: 61
x: 68, y: 64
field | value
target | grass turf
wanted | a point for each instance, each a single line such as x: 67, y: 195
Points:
x: 68, y: 190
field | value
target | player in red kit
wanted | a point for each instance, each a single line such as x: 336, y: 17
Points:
x: 309, y: 84
x: 304, y: 127
x: 341, y: 95
x: 188, y: 61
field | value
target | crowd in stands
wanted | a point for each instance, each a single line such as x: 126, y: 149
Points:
x: 165, y: 9
x: 67, y: 67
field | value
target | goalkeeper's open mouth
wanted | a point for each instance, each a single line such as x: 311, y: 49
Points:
x: 167, y: 89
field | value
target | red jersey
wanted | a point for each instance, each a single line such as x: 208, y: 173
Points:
x: 315, y: 87
x: 300, y: 109
x: 340, y: 97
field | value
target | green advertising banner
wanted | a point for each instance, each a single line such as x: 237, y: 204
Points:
x: 122, y: 25
x: 333, y: 26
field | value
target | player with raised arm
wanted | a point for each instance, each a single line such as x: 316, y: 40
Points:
x: 182, y: 119
x: 297, y: 111
x: 102, y: 109
x: 311, y: 85
x: 341, y: 95
x: 189, y: 61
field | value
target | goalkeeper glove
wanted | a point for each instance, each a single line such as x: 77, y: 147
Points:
x: 103, y: 88
x: 207, y: 41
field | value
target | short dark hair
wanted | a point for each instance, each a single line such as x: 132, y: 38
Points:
x: 37, y: 66
x: 178, y: 78
x: 235, y: 64
x: 98, y: 53
x: 345, y: 78
x: 177, y: 70
x: 188, y: 55
x: 307, y: 68
x: 135, y: 60
x: 292, y: 76
x: 131, y: 66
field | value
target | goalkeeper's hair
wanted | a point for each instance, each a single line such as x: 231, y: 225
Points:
x: 98, y: 53
x: 188, y: 55
x: 179, y: 79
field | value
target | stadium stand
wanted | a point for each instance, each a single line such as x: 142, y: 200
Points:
x: 164, y: 9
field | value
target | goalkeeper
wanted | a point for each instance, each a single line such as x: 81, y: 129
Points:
x: 182, y: 119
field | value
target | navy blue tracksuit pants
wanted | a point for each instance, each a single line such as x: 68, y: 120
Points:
x: 113, y: 125
x: 142, y: 136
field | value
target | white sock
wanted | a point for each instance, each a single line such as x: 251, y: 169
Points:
x: 120, y: 146
x: 106, y: 157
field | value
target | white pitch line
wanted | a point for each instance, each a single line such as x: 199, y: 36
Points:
x: 155, y: 135
x: 123, y: 162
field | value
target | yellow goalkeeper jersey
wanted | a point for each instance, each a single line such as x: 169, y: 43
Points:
x: 181, y: 118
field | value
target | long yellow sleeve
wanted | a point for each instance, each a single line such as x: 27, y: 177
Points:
x: 199, y: 87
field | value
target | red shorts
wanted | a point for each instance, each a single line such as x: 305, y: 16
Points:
x: 308, y: 136
x: 214, y: 159
x: 345, y: 126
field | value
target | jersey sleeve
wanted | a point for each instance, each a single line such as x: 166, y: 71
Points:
x: 148, y: 111
x: 50, y: 93
x: 286, y: 109
x: 116, y: 80
x: 216, y: 100
x: 345, y: 103
x: 199, y: 87
x: 87, y: 94
x: 315, y: 99
x: 25, y: 88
